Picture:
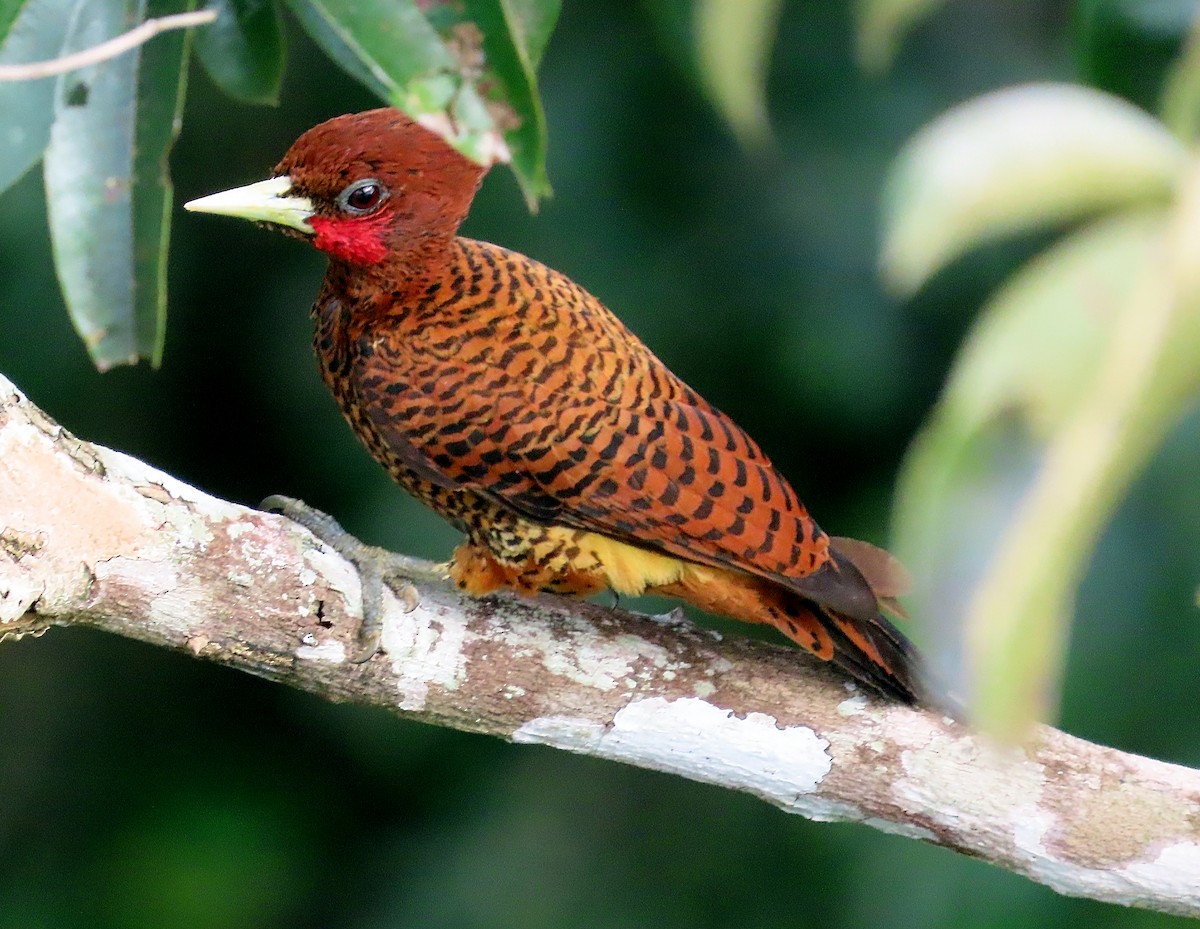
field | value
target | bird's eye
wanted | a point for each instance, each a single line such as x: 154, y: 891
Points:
x: 362, y: 197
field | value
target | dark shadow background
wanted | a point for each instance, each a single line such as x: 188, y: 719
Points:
x: 143, y: 789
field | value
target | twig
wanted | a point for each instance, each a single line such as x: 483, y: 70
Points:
x: 90, y: 536
x: 111, y: 48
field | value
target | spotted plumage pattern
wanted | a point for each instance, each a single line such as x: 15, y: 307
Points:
x: 512, y: 402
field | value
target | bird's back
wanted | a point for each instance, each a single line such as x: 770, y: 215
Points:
x: 502, y: 377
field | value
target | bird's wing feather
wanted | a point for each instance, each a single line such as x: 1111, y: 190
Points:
x: 676, y: 475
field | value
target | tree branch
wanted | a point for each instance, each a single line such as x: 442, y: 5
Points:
x: 90, y: 536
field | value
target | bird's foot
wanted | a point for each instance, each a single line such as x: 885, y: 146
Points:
x: 376, y: 567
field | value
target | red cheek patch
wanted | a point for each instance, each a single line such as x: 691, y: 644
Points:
x: 357, y: 239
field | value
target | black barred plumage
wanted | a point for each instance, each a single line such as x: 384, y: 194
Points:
x: 512, y: 402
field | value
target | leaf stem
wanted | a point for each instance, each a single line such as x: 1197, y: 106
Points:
x: 111, y: 48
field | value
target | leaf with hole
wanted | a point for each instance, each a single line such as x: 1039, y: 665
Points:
x: 107, y: 191
x: 36, y: 32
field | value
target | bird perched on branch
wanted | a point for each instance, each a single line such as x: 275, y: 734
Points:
x: 506, y: 397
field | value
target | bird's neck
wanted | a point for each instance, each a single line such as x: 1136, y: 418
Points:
x: 389, y: 288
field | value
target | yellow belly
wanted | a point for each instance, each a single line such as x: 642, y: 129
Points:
x: 570, y: 561
x: 573, y: 561
x: 630, y: 570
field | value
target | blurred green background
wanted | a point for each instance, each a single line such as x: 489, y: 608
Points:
x: 143, y: 789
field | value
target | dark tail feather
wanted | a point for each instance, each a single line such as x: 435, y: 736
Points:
x: 868, y: 647
x: 876, y: 653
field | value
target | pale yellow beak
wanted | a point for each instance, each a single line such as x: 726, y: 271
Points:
x: 267, y: 201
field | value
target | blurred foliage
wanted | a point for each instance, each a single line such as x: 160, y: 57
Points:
x: 1127, y: 46
x: 1065, y: 387
x: 734, y: 39
x: 1049, y: 427
x: 140, y: 788
x: 881, y: 27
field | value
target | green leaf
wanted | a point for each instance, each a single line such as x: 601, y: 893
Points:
x: 1146, y: 379
x: 512, y: 31
x: 393, y: 50
x: 106, y: 189
x: 1018, y: 159
x: 381, y: 44
x: 532, y: 23
x: 162, y: 86
x: 88, y: 187
x: 733, y: 49
x: 1067, y: 385
x: 882, y: 25
x: 1020, y: 374
x: 35, y: 33
x: 1036, y: 341
x: 243, y: 51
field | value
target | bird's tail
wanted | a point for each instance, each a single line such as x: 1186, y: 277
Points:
x: 871, y: 650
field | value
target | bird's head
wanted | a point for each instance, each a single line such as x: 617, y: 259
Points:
x: 363, y: 188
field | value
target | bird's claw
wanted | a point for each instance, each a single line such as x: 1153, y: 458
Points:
x: 407, y: 594
x: 377, y: 567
